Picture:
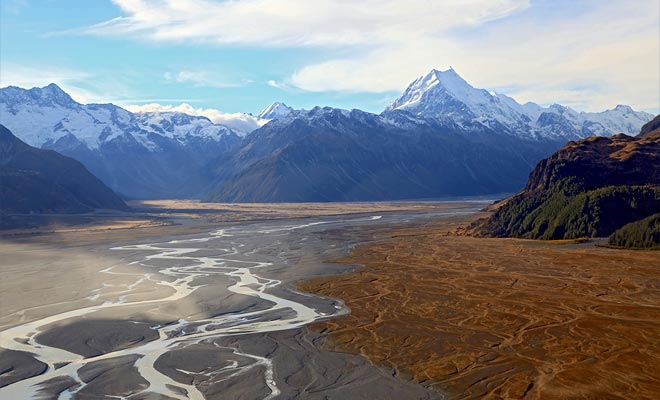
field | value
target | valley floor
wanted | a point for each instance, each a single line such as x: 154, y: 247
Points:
x: 194, y: 300
x: 501, y: 318
x: 181, y: 300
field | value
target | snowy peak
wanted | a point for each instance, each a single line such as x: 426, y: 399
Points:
x: 54, y: 94
x: 446, y: 96
x: 623, y: 108
x: 275, y: 111
x: 450, y: 81
x: 430, y: 87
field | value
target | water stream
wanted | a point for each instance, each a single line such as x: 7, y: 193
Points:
x: 231, y: 260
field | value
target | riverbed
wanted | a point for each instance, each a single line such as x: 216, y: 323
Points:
x: 202, y: 316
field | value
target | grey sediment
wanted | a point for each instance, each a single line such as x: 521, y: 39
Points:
x: 245, y: 359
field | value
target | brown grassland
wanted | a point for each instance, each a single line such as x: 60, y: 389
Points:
x: 502, y: 318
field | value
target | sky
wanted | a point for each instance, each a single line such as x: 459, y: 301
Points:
x: 225, y: 57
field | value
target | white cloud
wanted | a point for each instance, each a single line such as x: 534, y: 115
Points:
x: 238, y: 121
x: 298, y: 22
x: 593, y: 54
x: 278, y: 85
x: 201, y: 79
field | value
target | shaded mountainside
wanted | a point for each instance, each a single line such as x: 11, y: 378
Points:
x: 651, y: 128
x: 588, y: 188
x: 141, y: 155
x: 43, y: 181
x: 338, y: 155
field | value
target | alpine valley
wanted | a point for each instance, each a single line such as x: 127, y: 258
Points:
x: 441, y: 138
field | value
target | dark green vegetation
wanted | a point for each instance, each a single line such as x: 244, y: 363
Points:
x: 642, y: 234
x: 43, y: 181
x: 559, y: 215
x: 588, y: 188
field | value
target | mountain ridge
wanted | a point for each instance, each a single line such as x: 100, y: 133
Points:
x: 327, y: 154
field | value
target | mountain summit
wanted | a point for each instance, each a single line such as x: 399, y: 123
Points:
x: 275, y: 111
x: 50, y: 95
x: 428, y: 92
x: 445, y: 95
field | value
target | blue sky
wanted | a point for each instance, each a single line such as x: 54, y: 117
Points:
x: 241, y: 56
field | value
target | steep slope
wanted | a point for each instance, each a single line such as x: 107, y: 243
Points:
x: 445, y: 95
x: 139, y: 155
x: 588, y: 188
x: 651, y: 128
x: 328, y: 154
x: 42, y: 181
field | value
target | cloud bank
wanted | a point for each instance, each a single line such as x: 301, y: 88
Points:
x: 298, y: 22
x: 238, y: 121
x: 590, y: 54
x: 202, y: 79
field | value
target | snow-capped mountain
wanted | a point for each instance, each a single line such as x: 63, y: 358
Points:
x: 441, y: 137
x: 446, y: 96
x: 275, y: 111
x: 42, y: 116
x: 139, y: 155
x: 183, y: 127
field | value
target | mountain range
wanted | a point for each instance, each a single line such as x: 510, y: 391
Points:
x: 445, y: 96
x: 442, y: 137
